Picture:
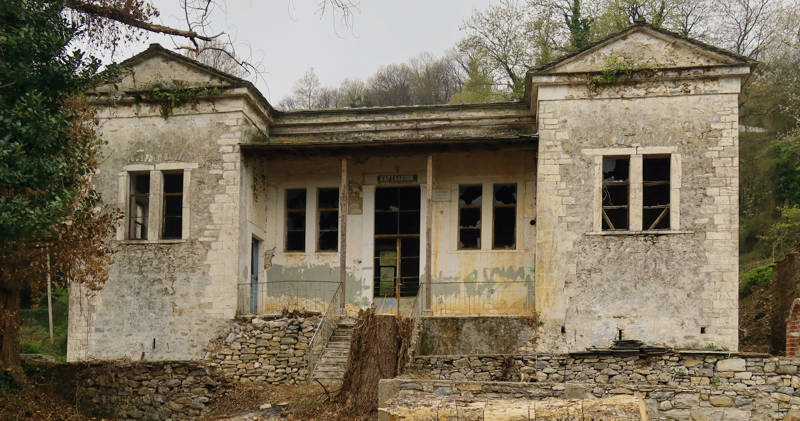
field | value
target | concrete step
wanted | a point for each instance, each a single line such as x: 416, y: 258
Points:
x: 339, y: 338
x: 329, y: 375
x: 331, y: 384
x: 331, y: 370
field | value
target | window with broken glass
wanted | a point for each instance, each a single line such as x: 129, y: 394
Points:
x: 172, y: 221
x: 656, y: 192
x: 504, y: 216
x: 616, y: 193
x: 296, y: 220
x: 470, y: 199
x: 327, y: 219
x: 139, y: 205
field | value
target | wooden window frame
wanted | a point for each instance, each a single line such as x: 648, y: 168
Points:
x: 319, y: 219
x: 495, y: 206
x: 164, y: 197
x: 480, y: 217
x: 606, y: 184
x: 289, y: 211
x: 664, y: 208
x: 131, y: 202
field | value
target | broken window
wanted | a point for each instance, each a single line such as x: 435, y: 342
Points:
x: 296, y: 220
x: 172, y: 224
x: 139, y: 202
x: 656, y: 192
x: 327, y: 219
x: 469, y: 217
x: 505, y: 216
x: 616, y: 183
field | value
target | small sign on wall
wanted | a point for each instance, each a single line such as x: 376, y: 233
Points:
x: 397, y: 179
x: 440, y: 195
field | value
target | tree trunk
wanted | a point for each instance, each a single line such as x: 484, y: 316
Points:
x: 9, y: 329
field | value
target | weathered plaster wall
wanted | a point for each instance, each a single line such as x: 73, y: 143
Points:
x: 661, y: 289
x: 165, y: 299
x: 481, y: 281
x: 474, y: 335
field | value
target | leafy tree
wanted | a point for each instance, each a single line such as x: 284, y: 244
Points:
x: 478, y: 88
x: 579, y: 26
x: 784, y: 235
x: 510, y: 37
x: 48, y: 151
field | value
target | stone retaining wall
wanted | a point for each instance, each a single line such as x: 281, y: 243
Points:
x: 673, y: 368
x: 697, y: 402
x: 180, y: 390
x: 271, y: 351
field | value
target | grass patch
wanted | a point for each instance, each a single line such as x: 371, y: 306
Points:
x: 34, y: 335
x: 757, y: 276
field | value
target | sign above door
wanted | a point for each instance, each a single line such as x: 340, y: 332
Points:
x: 397, y: 179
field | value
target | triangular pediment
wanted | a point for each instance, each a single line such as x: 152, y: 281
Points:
x: 158, y: 66
x: 644, y: 46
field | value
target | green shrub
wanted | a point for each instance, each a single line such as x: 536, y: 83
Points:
x: 757, y: 276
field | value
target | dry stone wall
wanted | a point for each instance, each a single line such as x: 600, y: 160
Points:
x: 707, y: 403
x: 271, y: 351
x: 179, y: 390
x: 685, y: 368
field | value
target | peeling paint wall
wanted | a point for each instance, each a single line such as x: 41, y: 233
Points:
x: 481, y: 281
x: 660, y: 289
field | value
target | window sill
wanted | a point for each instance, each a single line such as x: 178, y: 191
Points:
x: 486, y: 250
x: 170, y: 241
x: 654, y: 232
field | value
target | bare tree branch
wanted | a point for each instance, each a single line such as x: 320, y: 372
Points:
x: 121, y: 16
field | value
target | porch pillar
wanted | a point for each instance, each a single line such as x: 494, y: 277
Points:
x: 343, y: 209
x: 428, y: 233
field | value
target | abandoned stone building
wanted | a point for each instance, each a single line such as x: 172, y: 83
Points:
x: 604, y: 205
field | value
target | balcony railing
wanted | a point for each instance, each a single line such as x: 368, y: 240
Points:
x: 448, y: 298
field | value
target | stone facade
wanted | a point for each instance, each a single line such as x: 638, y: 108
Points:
x: 678, y: 286
x: 168, y: 296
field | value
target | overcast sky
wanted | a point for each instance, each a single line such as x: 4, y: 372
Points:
x: 289, y: 36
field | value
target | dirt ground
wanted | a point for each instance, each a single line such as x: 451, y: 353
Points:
x: 755, y: 316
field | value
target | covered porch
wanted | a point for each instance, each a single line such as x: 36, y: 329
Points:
x: 439, y: 221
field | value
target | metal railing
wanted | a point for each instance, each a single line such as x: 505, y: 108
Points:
x: 482, y: 298
x: 322, y: 334
x: 276, y: 296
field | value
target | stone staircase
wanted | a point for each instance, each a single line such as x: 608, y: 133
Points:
x: 332, y: 363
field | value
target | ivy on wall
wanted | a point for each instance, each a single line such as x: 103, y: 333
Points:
x: 617, y: 67
x: 171, y: 98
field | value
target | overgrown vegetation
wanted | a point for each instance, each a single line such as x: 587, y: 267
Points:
x: 617, y: 67
x: 171, y: 98
x: 34, y: 334
x: 758, y: 276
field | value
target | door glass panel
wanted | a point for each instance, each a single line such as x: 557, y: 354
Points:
x: 397, y: 249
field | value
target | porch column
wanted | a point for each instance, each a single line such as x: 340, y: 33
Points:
x: 428, y: 233
x: 343, y: 209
